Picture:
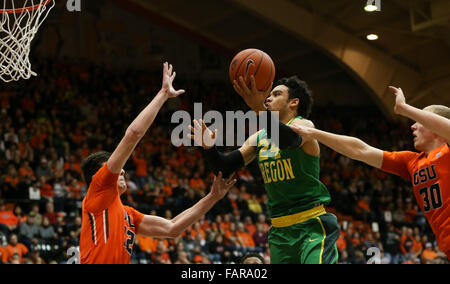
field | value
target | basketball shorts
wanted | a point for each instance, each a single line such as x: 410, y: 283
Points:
x: 309, y: 242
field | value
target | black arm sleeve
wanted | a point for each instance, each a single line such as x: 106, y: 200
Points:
x: 287, y: 139
x: 226, y: 163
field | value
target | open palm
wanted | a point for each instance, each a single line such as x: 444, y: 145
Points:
x: 221, y: 186
x: 400, y: 100
x: 202, y: 135
x: 168, y: 78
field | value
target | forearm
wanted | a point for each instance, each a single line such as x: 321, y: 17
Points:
x: 134, y: 133
x: 226, y: 163
x: 345, y: 145
x: 436, y: 123
x: 351, y: 147
x: 191, y: 215
x: 143, y: 121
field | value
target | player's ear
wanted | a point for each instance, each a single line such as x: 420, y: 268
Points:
x: 294, y: 103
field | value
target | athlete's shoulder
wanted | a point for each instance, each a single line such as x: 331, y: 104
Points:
x: 406, y: 157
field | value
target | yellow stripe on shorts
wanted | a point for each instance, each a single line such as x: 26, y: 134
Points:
x: 323, y: 241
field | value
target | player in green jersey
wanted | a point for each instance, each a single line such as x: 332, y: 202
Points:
x: 302, y: 231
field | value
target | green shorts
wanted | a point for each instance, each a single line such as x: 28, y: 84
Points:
x: 309, y: 242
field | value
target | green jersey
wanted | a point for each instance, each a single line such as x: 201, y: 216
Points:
x: 291, y: 178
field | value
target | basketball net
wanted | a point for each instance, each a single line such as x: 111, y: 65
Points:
x: 18, y: 26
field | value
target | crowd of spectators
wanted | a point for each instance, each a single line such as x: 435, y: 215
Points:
x: 49, y: 124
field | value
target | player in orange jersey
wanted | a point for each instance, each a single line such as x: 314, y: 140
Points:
x: 109, y: 228
x: 428, y: 170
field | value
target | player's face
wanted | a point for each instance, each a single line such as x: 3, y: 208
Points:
x: 121, y: 183
x: 278, y: 99
x: 422, y: 136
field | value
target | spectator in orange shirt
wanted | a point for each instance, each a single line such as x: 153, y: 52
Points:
x: 197, y: 230
x: 167, y: 189
x: 21, y: 218
x: 197, y: 182
x: 161, y: 256
x: 428, y: 255
x: 141, y: 169
x: 8, y: 221
x: 417, y: 247
x: 173, y: 181
x: 225, y: 223
x: 85, y: 151
x: 56, y: 164
x: 341, y: 243
x: 174, y: 162
x: 14, y: 247
x: 245, y: 175
x: 356, y: 239
x: 363, y: 209
x: 26, y: 170
x: 245, y: 238
x: 249, y: 226
x: 410, y: 211
x: 75, y: 188
x: 231, y: 237
x: 146, y: 245
x: 406, y: 242
x: 12, y: 179
x: 45, y: 188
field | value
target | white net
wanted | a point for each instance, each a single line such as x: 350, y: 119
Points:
x: 18, y: 26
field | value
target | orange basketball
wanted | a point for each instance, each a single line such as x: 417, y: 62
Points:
x: 253, y: 62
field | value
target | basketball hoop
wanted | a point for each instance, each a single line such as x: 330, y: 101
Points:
x: 18, y: 26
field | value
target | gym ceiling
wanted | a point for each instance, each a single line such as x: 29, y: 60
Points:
x: 325, y: 43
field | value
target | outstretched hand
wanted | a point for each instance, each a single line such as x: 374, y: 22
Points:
x: 304, y: 131
x: 400, y: 101
x: 167, y: 84
x: 221, y: 186
x: 202, y: 135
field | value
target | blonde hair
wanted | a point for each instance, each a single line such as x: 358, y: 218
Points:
x: 439, y: 110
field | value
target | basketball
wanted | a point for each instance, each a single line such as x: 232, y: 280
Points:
x: 253, y: 62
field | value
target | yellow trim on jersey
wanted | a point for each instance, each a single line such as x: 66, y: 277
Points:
x: 323, y: 241
x: 290, y: 121
x: 286, y: 221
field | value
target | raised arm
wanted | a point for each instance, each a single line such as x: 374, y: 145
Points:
x: 140, y: 125
x: 154, y: 226
x: 351, y: 147
x: 436, y: 123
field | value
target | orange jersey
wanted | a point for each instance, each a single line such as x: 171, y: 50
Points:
x: 108, y: 227
x: 430, y: 176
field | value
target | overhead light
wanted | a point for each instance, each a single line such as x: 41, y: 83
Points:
x: 371, y: 8
x: 372, y: 37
